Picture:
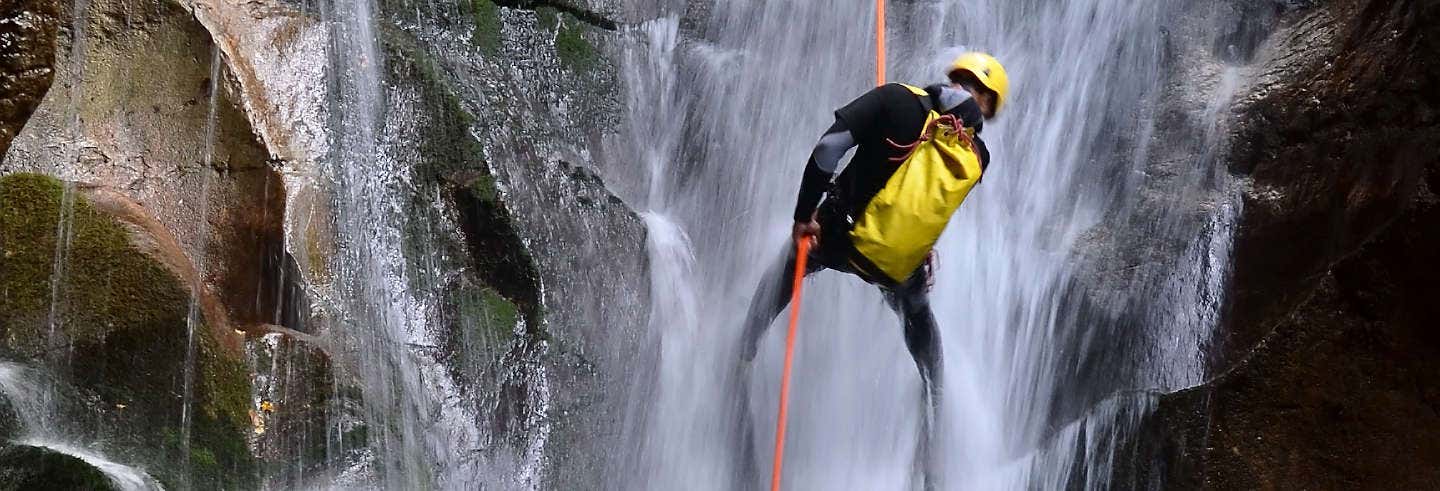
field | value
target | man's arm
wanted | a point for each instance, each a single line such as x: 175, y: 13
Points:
x: 854, y: 122
x: 823, y: 164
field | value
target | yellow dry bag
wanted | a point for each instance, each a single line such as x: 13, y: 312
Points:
x: 902, y: 222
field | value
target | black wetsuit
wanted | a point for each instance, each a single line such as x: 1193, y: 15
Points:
x: 889, y: 112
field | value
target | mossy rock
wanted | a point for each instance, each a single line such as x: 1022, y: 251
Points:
x: 10, y: 424
x: 24, y: 467
x: 453, y: 163
x: 488, y: 26
x: 121, y: 332
x: 574, y: 51
x: 486, y: 318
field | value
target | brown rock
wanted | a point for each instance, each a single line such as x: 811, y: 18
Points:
x: 1343, y: 393
x: 1334, y: 140
x: 27, y: 61
x: 145, y: 109
x: 1329, y: 372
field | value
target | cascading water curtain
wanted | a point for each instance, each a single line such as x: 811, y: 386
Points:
x: 374, y: 322
x: 1044, y: 377
x: 420, y: 430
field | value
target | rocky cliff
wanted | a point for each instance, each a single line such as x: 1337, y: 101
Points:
x: 1326, y: 374
x: 209, y: 122
x: 27, y: 65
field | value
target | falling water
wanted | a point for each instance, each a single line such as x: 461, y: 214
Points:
x: 56, y: 344
x: 194, y: 319
x: 377, y: 308
x: 1049, y: 363
x: 77, y: 57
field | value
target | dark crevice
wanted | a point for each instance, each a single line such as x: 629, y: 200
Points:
x: 282, y: 295
x: 501, y: 258
x: 587, y: 16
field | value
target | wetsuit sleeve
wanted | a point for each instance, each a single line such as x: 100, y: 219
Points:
x: 824, y: 161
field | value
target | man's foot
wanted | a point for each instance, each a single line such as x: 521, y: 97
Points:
x: 927, y: 461
x: 746, y: 468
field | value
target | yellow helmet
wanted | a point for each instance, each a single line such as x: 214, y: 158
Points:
x: 987, y: 70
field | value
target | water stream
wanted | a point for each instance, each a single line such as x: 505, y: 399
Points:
x: 56, y: 343
x: 194, y: 318
x: 1075, y: 285
x: 418, y: 430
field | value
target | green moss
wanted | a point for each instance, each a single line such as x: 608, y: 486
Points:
x: 500, y: 312
x: 547, y: 18
x: 484, y: 189
x: 112, y: 286
x: 123, y: 316
x: 25, y: 269
x: 497, y: 313
x: 487, y: 316
x: 572, y: 48
x: 488, y: 27
x: 202, y: 460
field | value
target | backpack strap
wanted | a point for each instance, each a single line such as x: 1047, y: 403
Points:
x: 927, y: 100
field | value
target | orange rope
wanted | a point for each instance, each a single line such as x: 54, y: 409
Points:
x: 802, y: 252
x: 879, y: 42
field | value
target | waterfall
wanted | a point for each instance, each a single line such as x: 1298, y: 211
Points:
x: 1049, y: 364
x: 56, y: 343
x: 377, y: 322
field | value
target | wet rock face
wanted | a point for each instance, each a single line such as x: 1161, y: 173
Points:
x: 1340, y: 395
x: 505, y: 200
x: 1334, y: 139
x: 131, y: 110
x: 1326, y: 377
x: 27, y: 60
x: 536, y: 83
x: 293, y: 385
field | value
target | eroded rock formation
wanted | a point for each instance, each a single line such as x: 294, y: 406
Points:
x: 209, y: 122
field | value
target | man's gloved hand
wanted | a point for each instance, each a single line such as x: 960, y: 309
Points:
x: 806, y: 230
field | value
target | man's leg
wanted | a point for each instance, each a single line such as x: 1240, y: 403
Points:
x: 772, y: 294
x: 922, y: 337
x: 911, y: 301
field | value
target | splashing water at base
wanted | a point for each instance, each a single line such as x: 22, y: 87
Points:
x: 31, y: 396
x: 124, y: 477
